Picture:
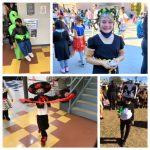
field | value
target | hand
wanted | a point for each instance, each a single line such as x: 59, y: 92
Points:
x: 14, y: 45
x: 106, y: 65
x: 22, y: 100
x: 117, y: 60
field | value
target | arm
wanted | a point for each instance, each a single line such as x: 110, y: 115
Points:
x: 27, y: 35
x: 9, y: 93
x: 121, y: 56
x: 89, y: 53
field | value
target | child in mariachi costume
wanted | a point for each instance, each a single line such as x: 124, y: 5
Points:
x: 43, y: 102
x: 22, y: 37
x: 105, y: 50
x: 40, y: 88
x: 6, y: 103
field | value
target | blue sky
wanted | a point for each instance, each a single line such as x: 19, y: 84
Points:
x: 139, y: 78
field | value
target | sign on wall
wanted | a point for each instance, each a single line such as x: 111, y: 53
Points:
x: 32, y: 25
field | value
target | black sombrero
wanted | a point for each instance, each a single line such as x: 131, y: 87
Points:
x: 44, y: 85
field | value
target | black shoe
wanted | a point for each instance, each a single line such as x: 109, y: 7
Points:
x: 122, y: 143
x: 101, y: 118
x: 7, y: 118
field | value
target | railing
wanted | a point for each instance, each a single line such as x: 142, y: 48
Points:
x: 71, y: 104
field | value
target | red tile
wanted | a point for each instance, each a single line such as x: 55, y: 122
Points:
x: 47, y: 54
x: 13, y: 128
x: 54, y: 109
x: 55, y: 115
x: 28, y: 140
x: 20, y: 113
x: 31, y: 128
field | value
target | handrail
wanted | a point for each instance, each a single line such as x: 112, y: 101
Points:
x: 69, y: 108
x: 72, y: 81
x: 71, y: 105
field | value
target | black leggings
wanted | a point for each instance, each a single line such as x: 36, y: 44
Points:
x: 124, y: 123
x: 5, y: 114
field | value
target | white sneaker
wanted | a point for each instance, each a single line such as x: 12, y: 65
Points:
x: 31, y: 55
x: 27, y: 58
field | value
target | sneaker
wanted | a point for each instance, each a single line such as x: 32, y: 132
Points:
x: 31, y: 55
x: 27, y: 58
x: 66, y: 69
x: 62, y: 70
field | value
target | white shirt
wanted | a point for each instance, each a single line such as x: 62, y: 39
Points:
x: 42, y: 111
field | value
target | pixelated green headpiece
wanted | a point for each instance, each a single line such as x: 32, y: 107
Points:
x: 13, y: 15
x: 111, y: 11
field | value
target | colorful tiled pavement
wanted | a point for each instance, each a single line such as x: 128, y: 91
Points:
x: 39, y: 64
x: 66, y: 130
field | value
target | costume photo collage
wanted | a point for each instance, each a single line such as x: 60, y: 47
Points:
x: 74, y: 74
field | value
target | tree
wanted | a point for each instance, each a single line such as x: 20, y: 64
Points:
x: 132, y: 7
x: 116, y: 80
x: 138, y: 8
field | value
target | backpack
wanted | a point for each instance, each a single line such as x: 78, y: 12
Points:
x: 140, y: 33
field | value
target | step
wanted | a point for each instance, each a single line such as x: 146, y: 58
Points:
x: 84, y: 113
x: 88, y: 97
x: 86, y: 105
x: 90, y: 91
x: 92, y: 85
x: 94, y: 79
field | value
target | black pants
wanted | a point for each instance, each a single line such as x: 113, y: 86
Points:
x: 5, y: 114
x: 43, y: 133
x: 123, y: 124
x: 42, y: 121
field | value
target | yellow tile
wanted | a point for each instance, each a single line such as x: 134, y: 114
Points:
x: 56, y: 105
x: 46, y: 49
x: 36, y: 47
x: 13, y: 68
x: 60, y: 112
x: 36, y: 134
x: 64, y: 119
x: 50, y: 112
x: 16, y: 136
x: 51, y: 129
x: 51, y: 141
x: 25, y: 120
x: 42, y: 66
x: 51, y: 119
x: 36, y: 144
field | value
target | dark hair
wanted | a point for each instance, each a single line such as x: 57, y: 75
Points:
x: 59, y: 24
x: 79, y: 19
x: 18, y: 20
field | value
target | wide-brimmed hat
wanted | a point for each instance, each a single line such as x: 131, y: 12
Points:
x: 39, y: 85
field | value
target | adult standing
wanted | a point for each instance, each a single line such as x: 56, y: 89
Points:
x: 144, y: 67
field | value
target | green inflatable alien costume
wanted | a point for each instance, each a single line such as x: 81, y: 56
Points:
x: 13, y: 16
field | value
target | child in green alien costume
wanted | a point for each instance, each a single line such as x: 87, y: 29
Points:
x: 13, y: 16
x: 20, y: 35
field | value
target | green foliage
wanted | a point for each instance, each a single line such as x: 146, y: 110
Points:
x: 116, y: 80
x: 138, y: 8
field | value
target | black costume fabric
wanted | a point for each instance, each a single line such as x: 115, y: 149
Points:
x: 61, y: 45
x: 20, y: 31
x: 105, y: 51
x: 126, y: 123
